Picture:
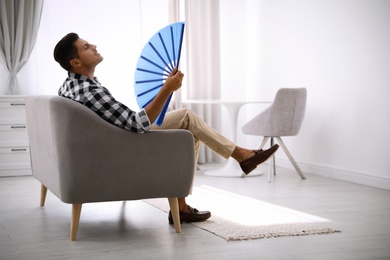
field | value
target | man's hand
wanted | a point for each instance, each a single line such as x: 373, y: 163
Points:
x: 172, y: 83
x: 174, y: 80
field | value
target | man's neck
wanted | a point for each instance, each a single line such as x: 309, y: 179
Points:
x: 88, y: 73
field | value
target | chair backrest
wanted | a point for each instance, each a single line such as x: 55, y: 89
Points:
x: 283, y: 118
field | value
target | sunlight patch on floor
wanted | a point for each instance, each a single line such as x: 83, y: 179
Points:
x: 244, y: 210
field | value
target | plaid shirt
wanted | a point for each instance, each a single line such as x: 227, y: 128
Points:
x: 93, y: 95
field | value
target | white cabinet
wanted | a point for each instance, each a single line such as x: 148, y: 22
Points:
x: 14, y: 146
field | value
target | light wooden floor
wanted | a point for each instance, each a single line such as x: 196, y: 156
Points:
x: 136, y: 230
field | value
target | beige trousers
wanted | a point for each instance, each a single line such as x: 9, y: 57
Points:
x: 187, y: 119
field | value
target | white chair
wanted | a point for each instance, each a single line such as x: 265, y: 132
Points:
x: 283, y: 118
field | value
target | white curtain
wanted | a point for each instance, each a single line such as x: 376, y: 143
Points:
x: 203, y: 64
x: 19, y: 23
x: 173, y: 17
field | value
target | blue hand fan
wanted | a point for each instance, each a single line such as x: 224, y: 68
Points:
x: 157, y: 60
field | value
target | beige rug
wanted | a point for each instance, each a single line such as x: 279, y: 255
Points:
x: 236, y: 217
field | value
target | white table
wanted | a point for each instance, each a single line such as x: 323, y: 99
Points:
x: 232, y: 168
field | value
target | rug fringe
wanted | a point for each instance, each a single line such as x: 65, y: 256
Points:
x: 282, y: 234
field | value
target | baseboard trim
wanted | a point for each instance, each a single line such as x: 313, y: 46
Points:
x: 338, y: 174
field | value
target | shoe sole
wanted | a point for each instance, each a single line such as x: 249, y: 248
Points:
x: 184, y: 221
x: 181, y: 222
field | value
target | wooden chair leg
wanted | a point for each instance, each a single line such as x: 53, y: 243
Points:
x: 174, y: 205
x: 43, y: 195
x: 74, y: 224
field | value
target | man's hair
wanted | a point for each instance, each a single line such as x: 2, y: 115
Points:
x: 65, y: 50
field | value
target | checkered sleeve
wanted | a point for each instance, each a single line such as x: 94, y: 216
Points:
x: 91, y: 94
x: 104, y: 104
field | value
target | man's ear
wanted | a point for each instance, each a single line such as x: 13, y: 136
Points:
x: 74, y: 63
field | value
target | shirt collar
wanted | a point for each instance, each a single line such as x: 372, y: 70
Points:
x: 82, y: 77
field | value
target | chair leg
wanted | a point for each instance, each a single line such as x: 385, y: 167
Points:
x: 174, y: 205
x: 273, y: 156
x: 272, y: 167
x: 270, y: 172
x: 291, y: 158
x: 265, y: 139
x: 271, y: 163
x: 43, y: 195
x: 74, y: 224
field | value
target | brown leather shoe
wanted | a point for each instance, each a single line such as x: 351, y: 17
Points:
x: 194, y: 216
x: 261, y: 156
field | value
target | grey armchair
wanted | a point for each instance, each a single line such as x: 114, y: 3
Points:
x: 283, y: 118
x: 81, y: 158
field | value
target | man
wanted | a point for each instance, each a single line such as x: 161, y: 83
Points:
x: 80, y: 59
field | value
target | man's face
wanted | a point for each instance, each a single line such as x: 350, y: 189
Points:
x: 88, y: 55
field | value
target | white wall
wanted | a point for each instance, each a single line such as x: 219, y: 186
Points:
x: 338, y: 50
